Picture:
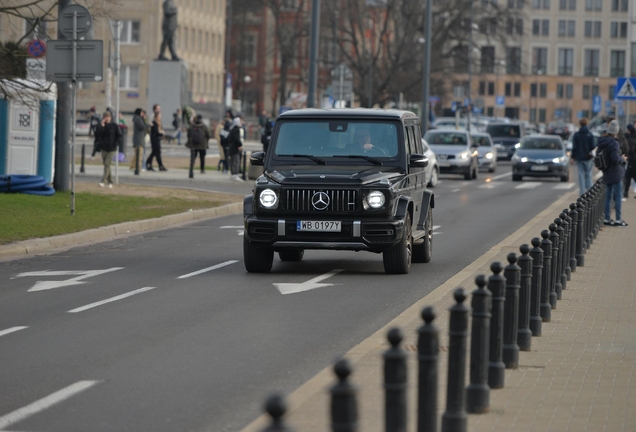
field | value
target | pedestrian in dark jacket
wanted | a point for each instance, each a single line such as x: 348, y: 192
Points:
x: 108, y: 135
x: 156, y: 135
x: 198, y: 137
x: 630, y: 171
x: 140, y: 129
x: 613, y: 175
x: 583, y: 142
x: 235, y: 148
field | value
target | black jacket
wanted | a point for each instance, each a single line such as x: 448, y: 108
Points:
x: 631, y: 155
x: 616, y: 170
x: 109, y: 137
x: 155, y: 135
x: 234, y: 140
x: 582, y: 144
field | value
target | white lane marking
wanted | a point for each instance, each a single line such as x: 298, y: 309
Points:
x: 44, y: 403
x: 214, y: 267
x: 490, y: 185
x: 292, y: 288
x: 501, y: 175
x: 566, y: 186
x: 528, y: 185
x: 112, y: 299
x: 47, y: 285
x: 12, y: 330
x: 436, y: 227
x: 455, y: 190
x: 240, y: 229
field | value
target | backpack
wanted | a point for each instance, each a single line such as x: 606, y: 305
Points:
x: 601, y: 161
x: 197, y: 136
x: 175, y: 123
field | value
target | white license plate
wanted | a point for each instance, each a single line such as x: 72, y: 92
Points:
x: 538, y: 168
x: 318, y: 226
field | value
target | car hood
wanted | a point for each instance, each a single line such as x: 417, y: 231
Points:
x: 483, y: 150
x: 545, y: 155
x: 345, y: 175
x: 448, y: 149
x: 507, y: 141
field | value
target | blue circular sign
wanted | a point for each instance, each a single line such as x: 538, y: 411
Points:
x: 36, y: 48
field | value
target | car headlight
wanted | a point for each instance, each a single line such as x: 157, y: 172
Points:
x: 518, y: 145
x: 560, y: 160
x: 464, y: 155
x: 488, y: 155
x: 268, y: 199
x: 375, y: 200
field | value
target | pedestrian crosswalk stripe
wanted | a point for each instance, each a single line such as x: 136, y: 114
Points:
x: 528, y: 185
x: 566, y: 186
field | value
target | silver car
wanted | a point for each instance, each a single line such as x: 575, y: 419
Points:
x: 456, y: 153
x: 487, y: 151
x: 432, y: 170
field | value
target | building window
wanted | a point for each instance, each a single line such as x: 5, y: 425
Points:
x: 130, y: 32
x: 541, y: 4
x: 543, y: 90
x: 591, y: 62
x: 533, y: 90
x: 249, y: 54
x: 567, y: 28
x: 487, y: 59
x: 460, y: 58
x: 560, y: 91
x: 619, y: 5
x: 617, y: 63
x: 513, y: 60
x: 633, y: 56
x: 517, y: 89
x: 566, y: 60
x: 482, y: 88
x: 491, y: 88
x: 610, y: 94
x: 508, y: 89
x: 539, y: 60
x: 490, y: 111
x: 541, y: 27
x: 593, y: 29
x: 289, y: 4
x: 533, y: 115
x: 516, y: 4
x: 567, y: 4
x: 618, y: 30
x: 545, y: 27
x: 129, y: 77
x: 594, y: 5
x: 568, y: 91
x: 541, y: 115
x: 586, y: 91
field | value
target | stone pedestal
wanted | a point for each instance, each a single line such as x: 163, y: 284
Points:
x: 168, y: 87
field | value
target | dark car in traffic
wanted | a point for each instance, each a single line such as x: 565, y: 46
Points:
x: 341, y: 179
x: 506, y: 136
x: 541, y: 156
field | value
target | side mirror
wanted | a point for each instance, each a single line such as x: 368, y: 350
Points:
x: 418, y: 161
x: 256, y: 159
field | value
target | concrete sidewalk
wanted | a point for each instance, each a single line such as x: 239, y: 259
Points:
x: 579, y: 376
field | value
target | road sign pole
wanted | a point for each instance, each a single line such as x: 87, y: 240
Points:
x: 117, y: 71
x: 73, y: 103
x: 341, y: 83
x: 62, y: 124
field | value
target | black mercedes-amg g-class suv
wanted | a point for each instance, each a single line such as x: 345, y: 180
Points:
x: 342, y: 179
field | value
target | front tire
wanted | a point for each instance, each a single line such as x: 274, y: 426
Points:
x: 291, y: 254
x: 422, y: 253
x: 397, y: 260
x: 434, y: 177
x: 257, y: 259
x: 565, y: 178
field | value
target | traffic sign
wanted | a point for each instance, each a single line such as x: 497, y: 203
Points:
x: 90, y: 60
x: 626, y: 88
x: 65, y: 21
x: 36, y: 69
x: 36, y: 48
x: 608, y: 106
x: 596, y: 104
x: 500, y: 101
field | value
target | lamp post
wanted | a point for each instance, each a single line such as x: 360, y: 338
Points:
x: 594, y: 82
x: 501, y: 63
x: 426, y: 67
x: 536, y: 97
x: 246, y: 79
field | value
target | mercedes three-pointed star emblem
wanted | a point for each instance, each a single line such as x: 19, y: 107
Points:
x: 320, y: 201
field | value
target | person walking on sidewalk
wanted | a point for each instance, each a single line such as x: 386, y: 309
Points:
x: 613, y: 175
x: 177, y: 123
x: 583, y: 143
x: 235, y: 146
x: 198, y: 137
x: 220, y: 140
x: 630, y: 170
x: 156, y: 135
x: 109, y: 136
x: 140, y: 129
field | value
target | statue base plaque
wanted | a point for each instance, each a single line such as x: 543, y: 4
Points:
x: 168, y: 87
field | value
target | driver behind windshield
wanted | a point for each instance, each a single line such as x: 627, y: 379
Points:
x: 361, y: 141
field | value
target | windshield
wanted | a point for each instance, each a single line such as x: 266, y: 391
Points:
x: 446, y: 138
x: 512, y: 131
x: 335, y: 138
x: 483, y: 141
x: 541, y: 144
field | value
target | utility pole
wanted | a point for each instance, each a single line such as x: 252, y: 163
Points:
x: 470, y: 67
x: 117, y: 72
x: 313, y: 53
x: 228, y: 48
x: 426, y: 70
x: 62, y: 124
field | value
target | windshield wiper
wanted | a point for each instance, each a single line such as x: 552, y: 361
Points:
x: 313, y: 158
x: 370, y: 159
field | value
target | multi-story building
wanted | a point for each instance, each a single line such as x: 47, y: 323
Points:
x: 561, y: 53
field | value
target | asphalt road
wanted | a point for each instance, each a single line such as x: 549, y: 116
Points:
x: 156, y: 345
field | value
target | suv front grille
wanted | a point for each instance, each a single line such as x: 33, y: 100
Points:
x: 340, y: 200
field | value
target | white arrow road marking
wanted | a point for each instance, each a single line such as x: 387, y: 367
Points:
x: 112, y: 299
x: 292, y: 288
x: 44, y: 403
x: 214, y: 267
x: 11, y: 330
x: 239, y: 229
x: 528, y: 185
x: 565, y: 186
x: 81, y: 274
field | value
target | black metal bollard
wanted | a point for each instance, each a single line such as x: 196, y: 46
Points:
x: 82, y: 169
x: 590, y: 219
x: 395, y: 384
x: 574, y: 215
x: 455, y: 417
x: 566, y: 246
x: 535, y: 288
x: 244, y: 166
x: 524, y: 335
x: 554, y: 238
x: 344, y: 408
x: 511, y: 313
x: 565, y: 260
x: 580, y: 260
x: 427, y: 355
x: 546, y: 279
x: 558, y: 284
x: 496, y: 367
x: 478, y: 392
x: 275, y: 406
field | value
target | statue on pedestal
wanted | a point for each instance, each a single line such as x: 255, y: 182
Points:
x: 169, y: 30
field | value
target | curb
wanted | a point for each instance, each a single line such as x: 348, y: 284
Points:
x: 111, y: 232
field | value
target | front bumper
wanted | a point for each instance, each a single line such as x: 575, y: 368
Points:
x: 357, y: 235
x: 454, y: 166
x: 530, y: 170
x: 505, y: 151
x: 486, y: 163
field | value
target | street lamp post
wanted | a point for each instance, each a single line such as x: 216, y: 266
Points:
x: 246, y: 79
x: 501, y: 63
x: 426, y: 67
x: 594, y: 82
x: 536, y: 97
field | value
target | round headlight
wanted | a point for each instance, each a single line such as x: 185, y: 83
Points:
x: 375, y: 199
x: 489, y: 155
x: 268, y: 198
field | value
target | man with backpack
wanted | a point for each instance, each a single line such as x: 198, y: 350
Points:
x: 583, y: 142
x: 630, y: 171
x: 611, y: 162
x: 198, y: 137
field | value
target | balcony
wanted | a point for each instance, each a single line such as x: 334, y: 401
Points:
x: 591, y: 71
x: 565, y: 70
x: 617, y: 72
